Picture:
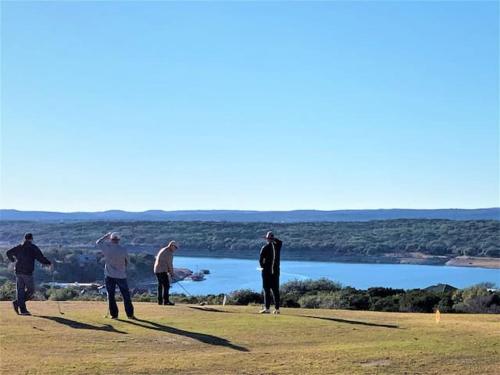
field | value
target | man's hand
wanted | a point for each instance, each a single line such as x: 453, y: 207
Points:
x: 103, y: 238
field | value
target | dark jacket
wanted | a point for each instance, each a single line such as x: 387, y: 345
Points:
x: 270, y: 257
x: 25, y: 255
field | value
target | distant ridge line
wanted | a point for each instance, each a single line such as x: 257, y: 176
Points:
x: 256, y: 216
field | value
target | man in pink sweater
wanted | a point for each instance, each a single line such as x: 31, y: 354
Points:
x: 164, y: 271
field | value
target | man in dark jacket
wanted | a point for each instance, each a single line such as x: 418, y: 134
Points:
x: 25, y: 255
x: 270, y: 265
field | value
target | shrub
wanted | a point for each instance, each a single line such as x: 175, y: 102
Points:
x: 39, y: 296
x: 480, y: 304
x: 290, y: 301
x: 324, y: 300
x: 384, y: 292
x: 310, y: 301
x: 418, y: 301
x: 357, y: 300
x: 7, y: 291
x: 212, y: 299
x: 445, y: 304
x: 387, y: 304
x: 182, y: 298
x: 302, y: 287
x: 245, y: 297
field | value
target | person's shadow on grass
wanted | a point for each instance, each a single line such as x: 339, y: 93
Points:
x: 202, y: 337
x: 338, y: 320
x: 209, y: 309
x: 79, y: 325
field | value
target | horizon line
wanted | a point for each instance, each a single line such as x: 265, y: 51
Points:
x: 258, y: 211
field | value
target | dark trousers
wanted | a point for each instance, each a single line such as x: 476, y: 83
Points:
x: 271, y: 282
x: 111, y: 284
x: 25, y: 289
x: 163, y: 288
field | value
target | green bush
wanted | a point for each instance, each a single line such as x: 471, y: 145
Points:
x: 7, y: 291
x: 476, y: 299
x: 300, y: 287
x: 245, y: 297
x: 290, y: 300
x: 383, y: 292
x: 387, y: 304
x: 310, y: 301
x: 418, y: 301
x: 445, y: 304
x: 182, y: 298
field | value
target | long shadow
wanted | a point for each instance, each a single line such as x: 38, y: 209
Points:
x: 202, y: 337
x: 79, y: 325
x: 338, y: 320
x: 209, y: 309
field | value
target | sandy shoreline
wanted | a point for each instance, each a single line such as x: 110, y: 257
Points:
x: 482, y: 262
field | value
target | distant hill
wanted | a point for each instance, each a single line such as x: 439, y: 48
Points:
x: 256, y: 216
x: 410, y: 238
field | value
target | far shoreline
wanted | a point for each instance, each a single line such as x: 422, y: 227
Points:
x: 318, y: 256
x: 470, y: 262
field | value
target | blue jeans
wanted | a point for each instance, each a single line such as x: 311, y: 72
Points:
x: 25, y: 288
x: 111, y: 284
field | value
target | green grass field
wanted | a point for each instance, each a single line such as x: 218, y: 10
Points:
x: 187, y: 339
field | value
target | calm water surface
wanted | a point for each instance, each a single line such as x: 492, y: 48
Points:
x: 227, y: 275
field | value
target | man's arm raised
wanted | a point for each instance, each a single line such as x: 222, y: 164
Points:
x: 101, y: 240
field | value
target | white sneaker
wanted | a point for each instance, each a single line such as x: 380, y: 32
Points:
x: 276, y: 312
x: 264, y: 311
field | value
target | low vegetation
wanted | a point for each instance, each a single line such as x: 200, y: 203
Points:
x: 316, y: 294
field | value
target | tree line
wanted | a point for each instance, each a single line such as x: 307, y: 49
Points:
x: 314, y: 241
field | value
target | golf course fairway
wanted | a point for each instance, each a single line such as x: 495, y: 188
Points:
x: 191, y: 339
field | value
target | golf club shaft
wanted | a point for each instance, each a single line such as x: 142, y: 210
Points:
x: 52, y: 292
x: 182, y: 286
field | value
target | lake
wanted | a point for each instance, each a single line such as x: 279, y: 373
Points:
x: 227, y: 275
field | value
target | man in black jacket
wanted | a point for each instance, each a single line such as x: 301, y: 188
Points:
x: 25, y: 255
x: 270, y: 265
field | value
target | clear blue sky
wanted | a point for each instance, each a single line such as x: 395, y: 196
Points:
x: 268, y: 106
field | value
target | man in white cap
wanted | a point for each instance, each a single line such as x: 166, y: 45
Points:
x: 270, y: 264
x: 115, y: 272
x: 164, y: 271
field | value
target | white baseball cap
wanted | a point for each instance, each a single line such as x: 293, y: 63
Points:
x: 114, y: 236
x: 269, y: 235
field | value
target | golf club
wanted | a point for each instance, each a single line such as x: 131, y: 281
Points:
x: 182, y: 286
x: 52, y: 291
